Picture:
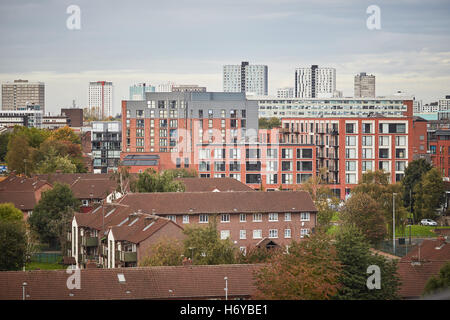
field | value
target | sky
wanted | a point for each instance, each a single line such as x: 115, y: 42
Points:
x: 188, y: 42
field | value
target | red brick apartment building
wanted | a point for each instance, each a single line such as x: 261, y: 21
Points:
x: 120, y: 234
x: 217, y: 134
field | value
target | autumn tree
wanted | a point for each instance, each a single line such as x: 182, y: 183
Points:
x: 19, y: 156
x: 166, y: 252
x: 152, y: 181
x: 309, y: 271
x: 269, y: 123
x: 366, y: 214
x: 429, y: 195
x: 353, y: 251
x: 204, y: 246
x: 123, y: 178
x: 257, y: 255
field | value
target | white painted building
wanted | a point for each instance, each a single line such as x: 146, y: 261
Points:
x: 101, y: 98
x: 287, y: 92
x: 251, y: 79
x: 315, y: 82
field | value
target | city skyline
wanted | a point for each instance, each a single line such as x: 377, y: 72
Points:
x: 411, y: 51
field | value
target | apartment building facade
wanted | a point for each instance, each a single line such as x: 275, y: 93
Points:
x: 20, y: 93
x: 106, y: 140
x: 315, y: 82
x: 364, y: 86
x: 101, y: 98
x: 246, y: 78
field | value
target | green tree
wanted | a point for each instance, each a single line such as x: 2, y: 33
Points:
x: 19, y: 156
x: 308, y: 272
x: 366, y: 214
x: 65, y: 134
x: 152, y: 181
x: 204, y: 246
x: 324, y: 199
x: 4, y: 139
x: 265, y: 123
x: 353, y: 251
x: 53, y: 163
x: 166, y: 252
x: 51, y: 209
x: 429, y: 195
x: 13, y: 245
x: 413, y: 175
x: 440, y: 282
x: 8, y: 212
x: 183, y: 173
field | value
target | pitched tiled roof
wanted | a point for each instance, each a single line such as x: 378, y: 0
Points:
x: 18, y: 183
x: 414, y: 272
x: 181, y: 282
x: 220, y: 202
x: 22, y: 200
x: 211, y: 184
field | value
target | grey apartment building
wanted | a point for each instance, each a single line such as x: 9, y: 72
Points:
x: 364, y: 85
x: 21, y: 93
x: 106, y: 140
x: 245, y: 78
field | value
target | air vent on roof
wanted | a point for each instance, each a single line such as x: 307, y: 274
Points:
x: 121, y: 277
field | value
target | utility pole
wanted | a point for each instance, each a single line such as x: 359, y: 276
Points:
x: 226, y: 287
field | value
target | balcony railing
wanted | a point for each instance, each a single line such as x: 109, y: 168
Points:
x: 126, y: 256
x: 89, y: 241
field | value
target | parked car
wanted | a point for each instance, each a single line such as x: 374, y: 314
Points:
x: 428, y: 222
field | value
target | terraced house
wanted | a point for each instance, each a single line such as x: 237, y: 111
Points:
x: 120, y: 234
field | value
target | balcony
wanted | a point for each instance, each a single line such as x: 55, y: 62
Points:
x: 126, y: 256
x: 89, y: 241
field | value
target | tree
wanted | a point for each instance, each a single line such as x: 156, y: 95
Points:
x: 413, y: 175
x: 265, y: 123
x: 182, y: 173
x: 122, y: 178
x: 440, y: 282
x: 8, y: 212
x: 257, y: 255
x: 377, y: 185
x: 429, y: 195
x: 65, y: 134
x: 19, y: 156
x: 308, y: 272
x: 152, y: 181
x: 13, y: 245
x: 4, y: 139
x: 204, y: 246
x: 166, y: 252
x: 366, y: 214
x: 53, y: 207
x: 324, y: 199
x: 353, y: 251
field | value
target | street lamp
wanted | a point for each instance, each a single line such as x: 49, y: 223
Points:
x: 393, y: 221
x: 226, y: 287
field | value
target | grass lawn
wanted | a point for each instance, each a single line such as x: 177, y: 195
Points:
x: 44, y: 266
x: 418, y: 231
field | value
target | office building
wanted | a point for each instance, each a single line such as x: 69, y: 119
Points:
x: 21, y: 93
x: 101, y: 99
x: 364, y: 86
x: 251, y: 79
x: 315, y: 82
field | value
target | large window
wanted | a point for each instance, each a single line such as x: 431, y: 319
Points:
x: 350, y: 141
x: 350, y: 128
x: 253, y: 178
x: 350, y: 153
x: 303, y: 177
x: 272, y: 178
x: 253, y: 153
x: 367, y: 153
x: 367, y: 141
x: 203, y: 218
x: 304, y: 165
x: 272, y: 153
x: 383, y: 153
x: 286, y: 165
x: 286, y: 153
x: 287, y: 178
x: 253, y: 165
x: 350, y: 165
x: 304, y: 153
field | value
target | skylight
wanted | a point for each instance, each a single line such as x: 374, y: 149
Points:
x: 121, y: 277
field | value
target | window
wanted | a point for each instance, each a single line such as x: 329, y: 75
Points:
x: 304, y: 232
x: 242, y: 234
x: 303, y: 177
x: 204, y: 166
x: 384, y: 165
x: 235, y: 166
x: 172, y: 217
x: 253, y: 165
x: 85, y: 203
x: 392, y: 128
x: 185, y: 218
x: 304, y: 165
x: 257, y: 234
x: 273, y: 216
x: 367, y: 141
x: 350, y: 153
x: 304, y: 216
x: 286, y: 153
x: 384, y: 141
x: 224, y: 234
x: 203, y: 218
x: 350, y: 141
x: 287, y: 178
x: 400, y: 141
x: 235, y: 153
x: 367, y: 165
x: 203, y: 154
x: 367, y: 153
x: 272, y: 166
x: 383, y: 153
x: 286, y: 165
x: 219, y: 153
x: 400, y: 153
x: 367, y: 128
x: 400, y: 165
x: 272, y: 178
x: 287, y: 216
x: 257, y: 217
x: 287, y: 233
x: 252, y: 153
x: 350, y: 178
x: 304, y: 153
x: 225, y: 217
x: 219, y: 166
x: 253, y: 178
x: 350, y: 165
x: 273, y: 233
x: 242, y: 217
x: 272, y: 153
x: 350, y: 128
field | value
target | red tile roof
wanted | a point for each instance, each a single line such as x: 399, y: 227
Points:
x: 22, y: 200
x: 420, y: 264
x: 211, y: 184
x: 181, y: 282
x: 18, y: 183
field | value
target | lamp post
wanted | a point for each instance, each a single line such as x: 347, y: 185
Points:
x: 226, y: 287
x: 393, y: 221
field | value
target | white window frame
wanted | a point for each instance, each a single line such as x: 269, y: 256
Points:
x: 305, y: 216
x: 273, y: 217
x: 242, y: 234
x: 257, y: 215
x: 273, y: 233
x: 226, y: 216
x: 256, y: 232
x: 200, y: 220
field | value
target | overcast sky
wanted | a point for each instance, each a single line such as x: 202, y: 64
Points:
x: 188, y: 42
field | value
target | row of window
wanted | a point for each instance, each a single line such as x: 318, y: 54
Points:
x: 286, y: 153
x: 258, y: 234
x: 367, y: 141
x: 257, y: 217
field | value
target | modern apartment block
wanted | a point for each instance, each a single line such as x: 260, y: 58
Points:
x: 444, y: 104
x: 251, y: 79
x: 364, y: 86
x: 101, y: 98
x: 315, y: 82
x: 285, y: 93
x: 137, y: 91
x: 106, y: 140
x: 334, y: 107
x: 21, y: 93
x: 30, y: 116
